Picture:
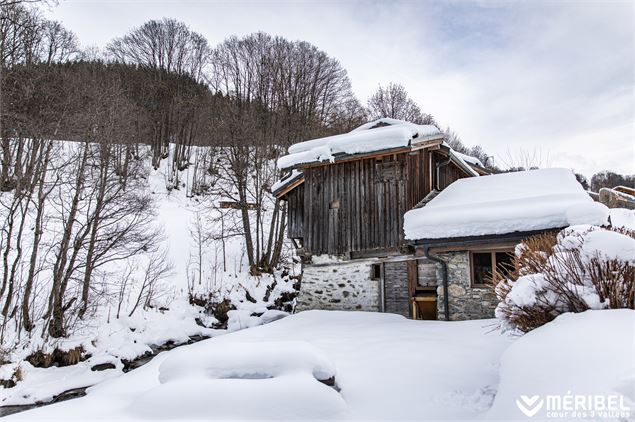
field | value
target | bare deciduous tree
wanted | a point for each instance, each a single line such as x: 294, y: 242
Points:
x: 394, y: 102
x: 525, y: 159
x: 279, y: 92
x: 164, y: 44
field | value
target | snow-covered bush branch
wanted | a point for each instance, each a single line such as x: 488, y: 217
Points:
x: 580, y: 268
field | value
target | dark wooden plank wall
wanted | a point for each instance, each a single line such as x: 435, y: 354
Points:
x: 358, y: 206
x: 295, y: 200
x: 448, y: 173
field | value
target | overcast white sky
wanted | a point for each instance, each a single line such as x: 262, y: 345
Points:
x: 551, y: 77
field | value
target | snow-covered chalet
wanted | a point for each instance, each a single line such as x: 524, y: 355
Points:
x: 389, y: 218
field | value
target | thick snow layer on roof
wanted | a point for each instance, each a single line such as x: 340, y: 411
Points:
x: 469, y: 159
x: 505, y: 203
x: 360, y: 140
x: 384, y: 121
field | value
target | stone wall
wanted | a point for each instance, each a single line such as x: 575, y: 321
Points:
x: 465, y: 301
x: 339, y: 285
x: 346, y: 285
x: 396, y: 300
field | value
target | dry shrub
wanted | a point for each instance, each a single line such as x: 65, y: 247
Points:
x: 18, y: 375
x: 41, y: 359
x: 553, y: 275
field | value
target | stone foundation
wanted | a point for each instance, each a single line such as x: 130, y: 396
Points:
x: 465, y: 302
x: 334, y: 284
x: 345, y: 285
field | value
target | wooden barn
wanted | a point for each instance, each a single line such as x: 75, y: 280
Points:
x: 347, y: 196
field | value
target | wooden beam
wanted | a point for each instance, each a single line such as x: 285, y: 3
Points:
x: 289, y: 188
x: 237, y: 206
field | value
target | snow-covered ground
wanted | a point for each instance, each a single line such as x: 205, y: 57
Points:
x: 385, y: 367
x: 589, y: 354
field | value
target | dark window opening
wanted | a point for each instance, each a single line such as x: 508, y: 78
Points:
x: 375, y: 271
x: 491, y: 266
x: 481, y: 268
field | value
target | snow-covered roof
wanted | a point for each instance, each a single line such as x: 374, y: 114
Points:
x: 378, y: 135
x: 289, y: 179
x: 469, y: 159
x: 505, y: 203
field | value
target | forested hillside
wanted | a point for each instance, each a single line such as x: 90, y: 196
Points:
x: 136, y: 181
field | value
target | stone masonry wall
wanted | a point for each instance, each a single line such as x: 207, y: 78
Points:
x: 339, y: 285
x: 465, y: 301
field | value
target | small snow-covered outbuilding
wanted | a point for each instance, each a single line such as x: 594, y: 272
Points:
x: 471, y: 228
x: 381, y: 215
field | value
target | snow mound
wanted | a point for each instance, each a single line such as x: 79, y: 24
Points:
x: 589, y: 353
x: 247, y: 360
x: 621, y: 217
x: 278, y: 379
x: 504, y: 203
x: 608, y: 245
x: 366, y: 138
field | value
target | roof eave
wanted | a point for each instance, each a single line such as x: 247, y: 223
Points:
x: 462, y: 164
x: 288, y: 186
x: 464, y: 241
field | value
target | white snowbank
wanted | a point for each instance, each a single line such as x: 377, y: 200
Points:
x: 362, y: 139
x: 248, y: 360
x: 621, y: 217
x: 386, y: 368
x: 608, y: 245
x: 42, y: 384
x: 243, y: 318
x: 108, y: 342
x: 589, y: 353
x: 505, y: 203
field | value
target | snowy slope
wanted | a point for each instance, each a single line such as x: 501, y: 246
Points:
x: 171, y: 318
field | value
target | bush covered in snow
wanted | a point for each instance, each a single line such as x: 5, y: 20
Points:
x: 580, y: 268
